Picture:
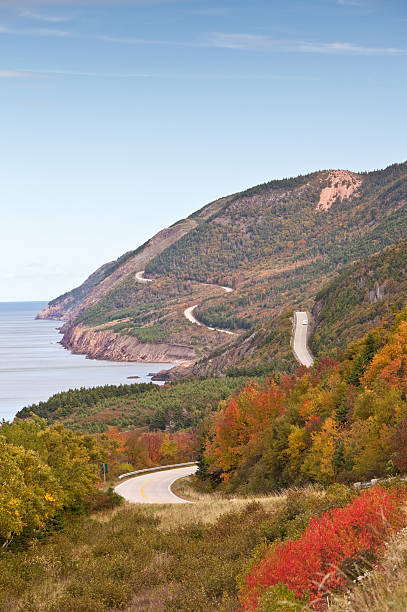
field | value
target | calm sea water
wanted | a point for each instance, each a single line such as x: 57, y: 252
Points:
x: 34, y: 366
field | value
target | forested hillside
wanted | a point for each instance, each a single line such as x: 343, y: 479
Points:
x: 359, y: 298
x: 181, y: 406
x: 340, y: 421
x: 275, y: 245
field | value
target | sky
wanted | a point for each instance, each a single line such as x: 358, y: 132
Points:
x: 120, y: 117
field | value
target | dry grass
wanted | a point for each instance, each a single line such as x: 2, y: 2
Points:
x: 384, y: 588
x: 206, y: 508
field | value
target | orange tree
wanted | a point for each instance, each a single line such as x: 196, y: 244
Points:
x: 337, y: 421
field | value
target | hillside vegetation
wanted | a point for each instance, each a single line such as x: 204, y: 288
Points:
x: 263, y: 351
x: 363, y: 295
x: 69, y: 546
x: 276, y: 244
x: 275, y: 231
x: 342, y: 421
x: 177, y: 407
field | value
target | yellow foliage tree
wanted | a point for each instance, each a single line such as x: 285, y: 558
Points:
x: 296, y: 447
x: 168, y: 449
x: 368, y: 447
x: 29, y: 492
x: 318, y: 464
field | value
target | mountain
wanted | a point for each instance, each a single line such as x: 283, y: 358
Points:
x: 237, y: 266
x: 73, y: 302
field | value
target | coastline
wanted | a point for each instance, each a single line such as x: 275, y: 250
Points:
x: 34, y: 365
x: 109, y: 346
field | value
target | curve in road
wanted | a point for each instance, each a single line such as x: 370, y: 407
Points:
x: 300, y: 340
x: 140, y: 277
x: 154, y: 488
x: 188, y: 312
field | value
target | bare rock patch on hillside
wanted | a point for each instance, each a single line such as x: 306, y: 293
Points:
x: 342, y: 184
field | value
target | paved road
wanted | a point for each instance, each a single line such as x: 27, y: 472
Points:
x: 300, y: 344
x: 154, y: 488
x: 189, y: 314
x: 140, y: 278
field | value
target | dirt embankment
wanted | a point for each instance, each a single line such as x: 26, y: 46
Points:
x: 215, y: 365
x: 113, y: 347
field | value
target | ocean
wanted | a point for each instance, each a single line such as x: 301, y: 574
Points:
x: 34, y: 366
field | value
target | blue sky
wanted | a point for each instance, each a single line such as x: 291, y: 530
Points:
x: 119, y: 118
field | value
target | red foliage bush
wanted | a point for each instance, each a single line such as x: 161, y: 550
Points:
x: 316, y: 563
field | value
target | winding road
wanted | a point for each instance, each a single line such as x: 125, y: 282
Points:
x: 300, y: 332
x: 140, y: 277
x: 300, y: 340
x: 189, y: 312
x: 154, y: 488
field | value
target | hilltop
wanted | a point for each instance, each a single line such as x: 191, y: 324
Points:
x: 239, y: 264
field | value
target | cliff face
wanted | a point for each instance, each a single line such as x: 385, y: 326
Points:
x: 215, y: 364
x: 57, y: 311
x: 110, y: 346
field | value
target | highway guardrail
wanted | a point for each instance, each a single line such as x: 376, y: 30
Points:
x: 157, y: 469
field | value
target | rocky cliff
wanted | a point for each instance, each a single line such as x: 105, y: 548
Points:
x: 110, y: 346
x: 63, y: 306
